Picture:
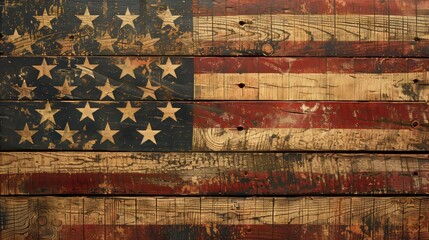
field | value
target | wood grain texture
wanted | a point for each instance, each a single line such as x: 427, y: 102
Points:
x: 201, y: 27
x: 211, y: 126
x: 116, y: 173
x: 214, y: 218
x: 214, y: 78
x: 267, y: 78
x: 83, y: 78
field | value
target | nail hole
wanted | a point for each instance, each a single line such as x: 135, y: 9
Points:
x: 1, y: 36
x: 249, y: 230
x: 241, y: 85
x: 416, y: 80
x: 240, y: 128
x: 415, y: 173
x: 246, y: 173
x: 242, y: 23
x: 416, y: 39
x: 415, y: 124
x: 71, y: 37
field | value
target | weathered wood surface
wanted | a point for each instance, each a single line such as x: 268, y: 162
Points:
x: 221, y: 27
x: 214, y: 78
x: 213, y: 126
x: 116, y: 173
x: 214, y: 218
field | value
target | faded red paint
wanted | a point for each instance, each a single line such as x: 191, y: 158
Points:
x: 239, y: 231
x: 231, y: 183
x: 332, y: 48
x: 308, y: 65
x: 330, y: 115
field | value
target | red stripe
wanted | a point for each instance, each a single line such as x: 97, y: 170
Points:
x: 220, y: 231
x: 307, y: 65
x: 344, y: 115
x: 319, y: 48
x: 234, y: 182
x: 255, y: 7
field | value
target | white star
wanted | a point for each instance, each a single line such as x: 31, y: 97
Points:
x: 169, y: 68
x: 26, y: 134
x: 149, y: 90
x: 44, y: 69
x: 168, y: 18
x: 87, y: 19
x: 169, y: 112
x: 47, y: 113
x: 127, y: 19
x: 87, y: 68
x: 65, y: 90
x: 14, y: 36
x: 44, y: 20
x: 24, y: 91
x: 107, y: 90
x: 67, y: 134
x: 127, y: 68
x: 148, y: 134
x: 128, y: 112
x: 87, y: 112
x: 107, y: 134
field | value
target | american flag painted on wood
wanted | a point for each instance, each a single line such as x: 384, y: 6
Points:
x: 228, y: 27
x: 137, y: 119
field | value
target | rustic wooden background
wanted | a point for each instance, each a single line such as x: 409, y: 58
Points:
x: 214, y: 119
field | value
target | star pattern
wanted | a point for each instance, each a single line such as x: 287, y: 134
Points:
x: 169, y: 68
x: 148, y: 42
x: 87, y: 19
x: 22, y: 42
x: 168, y: 18
x: 14, y: 36
x: 24, y: 91
x: 87, y: 34
x: 128, y: 112
x: 44, y: 69
x: 87, y: 68
x: 107, y: 90
x: 87, y: 112
x: 169, y: 112
x: 26, y: 134
x: 44, y: 20
x: 47, y: 113
x: 107, y: 134
x: 106, y: 43
x: 67, y: 134
x: 127, y: 68
x: 149, y: 90
x: 65, y: 90
x: 88, y: 27
x: 127, y: 19
x: 149, y: 134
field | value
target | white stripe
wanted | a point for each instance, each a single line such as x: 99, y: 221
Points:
x: 312, y: 86
x: 286, y: 27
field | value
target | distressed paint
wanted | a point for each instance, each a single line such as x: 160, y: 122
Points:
x: 299, y: 28
x: 214, y: 78
x: 208, y: 218
x: 117, y: 173
x: 208, y: 126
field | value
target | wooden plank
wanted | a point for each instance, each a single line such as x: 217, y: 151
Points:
x: 116, y: 173
x: 208, y: 126
x: 206, y: 27
x: 131, y: 78
x: 214, y: 78
x: 208, y: 218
